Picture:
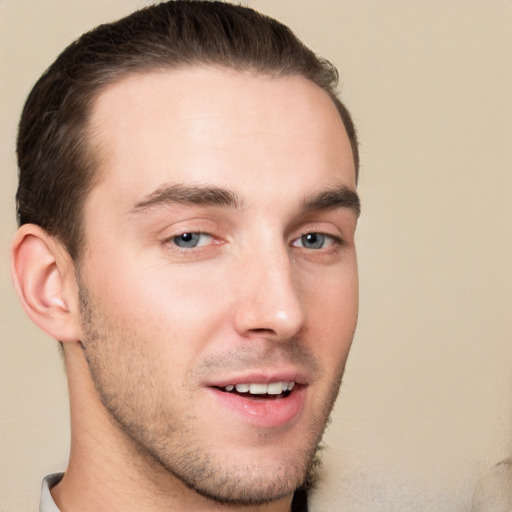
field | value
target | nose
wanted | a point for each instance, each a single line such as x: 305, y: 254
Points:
x: 269, y: 303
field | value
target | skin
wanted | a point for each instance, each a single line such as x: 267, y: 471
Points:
x: 158, y: 325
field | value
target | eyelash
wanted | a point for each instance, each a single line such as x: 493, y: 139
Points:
x: 298, y: 242
x: 331, y: 240
x: 190, y: 234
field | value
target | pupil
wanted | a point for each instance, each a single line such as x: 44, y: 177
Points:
x: 313, y: 240
x: 187, y: 240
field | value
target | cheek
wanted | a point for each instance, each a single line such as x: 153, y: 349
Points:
x: 173, y: 310
x: 332, y: 309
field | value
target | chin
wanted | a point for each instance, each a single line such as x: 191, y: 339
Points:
x: 250, y: 479
x: 262, y: 487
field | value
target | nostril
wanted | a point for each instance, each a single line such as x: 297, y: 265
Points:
x: 262, y: 330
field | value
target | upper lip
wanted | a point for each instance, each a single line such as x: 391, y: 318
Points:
x: 261, y: 377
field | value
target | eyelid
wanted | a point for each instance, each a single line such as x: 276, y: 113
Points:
x: 181, y: 232
x: 327, y: 225
x: 191, y: 224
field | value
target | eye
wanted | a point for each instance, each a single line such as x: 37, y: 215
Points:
x: 191, y: 240
x: 314, y: 241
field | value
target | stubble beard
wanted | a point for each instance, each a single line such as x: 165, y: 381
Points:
x: 170, y: 446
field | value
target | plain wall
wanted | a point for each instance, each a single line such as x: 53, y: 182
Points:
x: 426, y: 405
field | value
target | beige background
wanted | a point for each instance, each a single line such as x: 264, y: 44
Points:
x: 427, y: 401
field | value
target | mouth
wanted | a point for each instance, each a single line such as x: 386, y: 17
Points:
x: 262, y: 402
x: 258, y: 390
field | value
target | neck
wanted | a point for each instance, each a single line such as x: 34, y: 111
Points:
x: 108, y: 472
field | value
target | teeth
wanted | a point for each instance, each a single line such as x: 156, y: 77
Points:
x: 276, y: 388
x: 256, y: 388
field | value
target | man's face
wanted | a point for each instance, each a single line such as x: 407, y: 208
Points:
x: 219, y: 272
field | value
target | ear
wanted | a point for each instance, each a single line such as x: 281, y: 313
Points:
x: 43, y: 274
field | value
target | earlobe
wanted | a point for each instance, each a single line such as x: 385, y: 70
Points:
x: 44, y: 278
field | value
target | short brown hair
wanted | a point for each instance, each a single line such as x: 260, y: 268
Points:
x: 56, y: 163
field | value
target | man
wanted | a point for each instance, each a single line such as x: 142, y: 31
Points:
x: 187, y: 211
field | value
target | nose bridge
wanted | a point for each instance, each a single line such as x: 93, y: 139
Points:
x: 269, y: 299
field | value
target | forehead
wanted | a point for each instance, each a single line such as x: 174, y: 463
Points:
x: 216, y: 125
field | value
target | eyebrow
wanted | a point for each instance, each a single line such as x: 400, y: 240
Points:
x: 330, y: 199
x: 189, y: 194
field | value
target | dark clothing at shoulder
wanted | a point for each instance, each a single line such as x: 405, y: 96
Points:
x: 300, y: 501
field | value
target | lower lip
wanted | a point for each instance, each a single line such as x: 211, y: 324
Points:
x: 271, y: 413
